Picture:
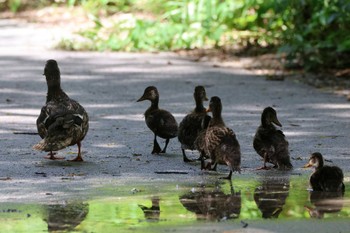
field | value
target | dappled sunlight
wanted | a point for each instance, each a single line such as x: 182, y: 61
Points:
x: 109, y: 145
x: 101, y: 105
x: 327, y: 106
x: 15, y: 119
x: 130, y: 117
x: 20, y: 111
x: 20, y: 92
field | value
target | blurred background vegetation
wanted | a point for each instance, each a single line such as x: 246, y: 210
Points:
x: 312, y: 34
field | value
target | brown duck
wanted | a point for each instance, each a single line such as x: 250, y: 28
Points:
x: 219, y: 142
x: 193, y: 123
x: 62, y: 122
x: 270, y: 143
x: 325, y: 178
x: 161, y: 122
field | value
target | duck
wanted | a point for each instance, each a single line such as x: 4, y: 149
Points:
x: 62, y: 121
x: 270, y: 142
x: 325, y: 178
x: 161, y: 122
x: 219, y: 142
x: 193, y: 123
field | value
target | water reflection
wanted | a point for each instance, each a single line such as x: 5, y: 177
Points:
x: 65, y: 217
x: 325, y: 202
x: 209, y: 204
x: 152, y: 213
x: 271, y: 195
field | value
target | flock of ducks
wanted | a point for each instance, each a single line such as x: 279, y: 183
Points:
x: 64, y: 122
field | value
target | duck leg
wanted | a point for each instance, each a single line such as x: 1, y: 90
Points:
x: 214, y: 168
x: 156, y: 147
x: 78, y: 158
x: 166, y: 145
x: 186, y: 160
x: 265, y: 161
x: 228, y: 177
x: 203, y: 167
x: 52, y: 156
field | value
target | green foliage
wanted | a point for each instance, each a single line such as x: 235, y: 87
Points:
x: 312, y: 33
x: 183, y: 24
x: 318, y: 33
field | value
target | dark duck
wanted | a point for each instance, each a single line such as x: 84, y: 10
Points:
x: 219, y: 142
x: 325, y: 178
x: 62, y: 122
x: 161, y: 122
x: 270, y: 143
x: 193, y: 123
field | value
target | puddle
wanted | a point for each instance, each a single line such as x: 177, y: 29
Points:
x: 166, y: 207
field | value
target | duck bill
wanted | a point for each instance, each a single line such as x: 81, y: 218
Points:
x: 206, y: 98
x: 307, y: 165
x: 277, y: 122
x: 208, y: 110
x: 141, y: 99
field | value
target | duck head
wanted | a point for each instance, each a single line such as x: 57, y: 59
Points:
x: 315, y: 161
x: 269, y: 116
x: 215, y: 105
x: 199, y: 94
x: 150, y: 93
x: 52, y: 74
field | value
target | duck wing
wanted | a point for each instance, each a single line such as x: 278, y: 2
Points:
x: 162, y: 123
x: 328, y: 179
x: 190, y: 127
x: 61, y: 124
x: 228, y: 152
x: 214, y: 137
x: 274, y: 144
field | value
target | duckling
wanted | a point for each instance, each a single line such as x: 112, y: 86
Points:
x: 193, y: 123
x: 325, y: 178
x: 270, y: 143
x: 160, y: 121
x: 220, y: 142
x: 63, y: 121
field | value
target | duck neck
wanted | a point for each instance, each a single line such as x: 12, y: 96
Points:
x: 199, y: 106
x: 54, y: 92
x: 155, y: 103
x: 320, y: 164
x: 216, y: 120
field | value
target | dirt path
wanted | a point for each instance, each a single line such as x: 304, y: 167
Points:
x: 118, y: 145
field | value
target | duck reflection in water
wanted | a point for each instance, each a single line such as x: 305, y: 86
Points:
x: 325, y: 203
x: 213, y: 205
x: 65, y: 217
x: 271, y: 196
x: 152, y: 213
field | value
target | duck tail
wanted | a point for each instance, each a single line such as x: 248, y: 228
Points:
x: 285, y: 164
x: 44, y: 145
x: 40, y: 146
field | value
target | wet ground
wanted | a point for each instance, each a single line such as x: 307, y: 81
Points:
x: 121, y: 186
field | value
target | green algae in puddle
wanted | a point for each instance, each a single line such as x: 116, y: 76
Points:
x: 155, y: 207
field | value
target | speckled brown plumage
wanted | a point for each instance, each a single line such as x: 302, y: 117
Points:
x: 161, y: 122
x: 62, y: 122
x: 270, y: 143
x: 193, y: 123
x: 219, y: 141
x: 325, y: 178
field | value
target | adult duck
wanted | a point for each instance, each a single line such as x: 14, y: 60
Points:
x: 193, y: 123
x: 325, y: 178
x: 220, y: 142
x: 161, y: 122
x: 270, y: 143
x: 63, y: 121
